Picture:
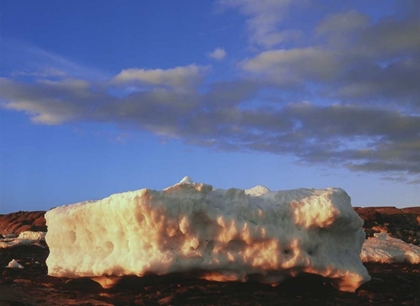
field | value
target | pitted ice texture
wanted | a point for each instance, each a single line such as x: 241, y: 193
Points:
x: 385, y: 249
x: 226, y: 235
x: 30, y: 235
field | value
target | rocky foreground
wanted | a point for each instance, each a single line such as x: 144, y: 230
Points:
x: 392, y: 284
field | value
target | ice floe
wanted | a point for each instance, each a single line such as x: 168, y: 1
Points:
x: 224, y: 235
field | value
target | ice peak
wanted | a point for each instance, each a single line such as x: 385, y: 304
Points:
x: 186, y: 180
x: 257, y: 190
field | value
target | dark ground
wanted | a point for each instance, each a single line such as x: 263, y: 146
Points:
x: 392, y: 284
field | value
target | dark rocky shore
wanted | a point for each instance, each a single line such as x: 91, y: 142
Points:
x: 392, y: 284
x: 21, y: 221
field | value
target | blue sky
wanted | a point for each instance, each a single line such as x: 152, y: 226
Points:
x: 99, y: 97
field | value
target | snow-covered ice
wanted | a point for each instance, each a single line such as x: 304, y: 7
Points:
x: 13, y: 264
x: 385, y: 249
x: 30, y: 235
x: 24, y: 239
x: 226, y: 235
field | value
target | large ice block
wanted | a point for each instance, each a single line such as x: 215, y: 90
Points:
x: 223, y: 235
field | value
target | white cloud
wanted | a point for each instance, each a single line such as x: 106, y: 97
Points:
x: 178, y: 77
x: 49, y: 112
x: 264, y: 17
x: 50, y: 102
x: 343, y: 22
x: 218, y: 54
x: 74, y: 85
x: 288, y: 66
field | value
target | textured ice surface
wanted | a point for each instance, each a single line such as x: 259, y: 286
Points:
x: 224, y: 235
x: 24, y: 239
x: 30, y: 235
x: 385, y: 249
x: 14, y: 265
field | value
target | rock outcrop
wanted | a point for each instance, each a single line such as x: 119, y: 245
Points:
x: 22, y: 221
x: 401, y: 223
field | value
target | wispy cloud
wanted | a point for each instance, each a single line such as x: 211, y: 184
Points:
x: 344, y: 22
x: 294, y: 66
x: 218, y: 54
x: 24, y: 59
x: 41, y: 73
x: 264, y: 18
x: 354, y: 61
x: 178, y: 77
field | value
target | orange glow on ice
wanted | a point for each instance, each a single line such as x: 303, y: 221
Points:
x: 229, y: 234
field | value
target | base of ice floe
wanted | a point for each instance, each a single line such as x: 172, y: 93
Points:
x: 107, y: 282
x: 347, y: 285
